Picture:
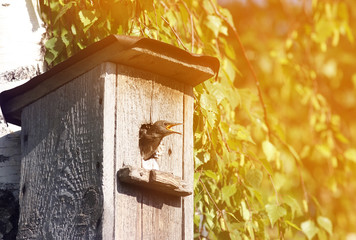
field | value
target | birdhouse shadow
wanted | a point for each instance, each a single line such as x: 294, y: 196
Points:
x: 149, y: 197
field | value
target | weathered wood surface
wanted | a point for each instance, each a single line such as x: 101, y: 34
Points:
x: 10, y: 162
x: 10, y: 142
x: 188, y: 163
x: 108, y: 162
x: 163, y: 182
x: 140, y: 53
x: 133, y: 109
x: 75, y: 139
x: 166, y: 104
x: 63, y: 144
x: 145, y: 98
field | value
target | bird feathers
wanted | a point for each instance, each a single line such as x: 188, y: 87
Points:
x: 151, y: 135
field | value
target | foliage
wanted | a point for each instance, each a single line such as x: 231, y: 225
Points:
x: 274, y: 136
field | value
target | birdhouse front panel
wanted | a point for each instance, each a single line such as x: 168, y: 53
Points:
x: 145, y: 98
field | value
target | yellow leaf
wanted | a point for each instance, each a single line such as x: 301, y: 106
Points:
x: 350, y: 154
x: 269, y: 150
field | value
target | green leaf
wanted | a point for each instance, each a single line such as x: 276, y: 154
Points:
x: 171, y: 18
x: 54, y: 46
x: 197, y: 219
x: 350, y: 154
x: 229, y: 69
x: 51, y: 43
x: 211, y: 117
x: 87, y: 17
x: 197, y: 198
x: 254, y: 177
x: 211, y: 174
x: 216, y: 90
x: 244, y: 211
x: 293, y: 225
x: 269, y: 150
x: 206, y: 157
x: 197, y: 162
x: 208, y: 102
x: 64, y: 9
x: 233, y: 216
x: 326, y: 224
x: 228, y: 191
x: 66, y: 38
x: 196, y: 178
x: 293, y: 204
x: 226, y: 13
x: 280, y: 180
x: 214, y: 24
x: 209, y: 218
x: 324, y: 29
x: 240, y: 133
x: 249, y: 226
x: 309, y: 229
x: 267, y: 165
x: 73, y: 29
x: 275, y: 212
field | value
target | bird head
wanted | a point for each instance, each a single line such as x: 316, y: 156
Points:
x: 164, y: 127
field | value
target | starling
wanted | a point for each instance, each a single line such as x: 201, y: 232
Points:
x: 151, y: 136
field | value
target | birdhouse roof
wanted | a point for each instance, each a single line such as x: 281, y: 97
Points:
x: 141, y: 53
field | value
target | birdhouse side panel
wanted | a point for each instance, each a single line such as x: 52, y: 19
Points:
x: 188, y: 162
x: 108, y: 163
x: 61, y: 189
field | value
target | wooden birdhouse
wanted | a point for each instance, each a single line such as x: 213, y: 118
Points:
x: 82, y: 173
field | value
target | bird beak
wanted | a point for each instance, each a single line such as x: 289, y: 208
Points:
x: 172, y: 125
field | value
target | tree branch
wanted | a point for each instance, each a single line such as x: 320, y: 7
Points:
x: 257, y: 83
x: 175, y: 33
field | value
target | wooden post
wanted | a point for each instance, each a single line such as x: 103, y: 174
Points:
x: 81, y: 173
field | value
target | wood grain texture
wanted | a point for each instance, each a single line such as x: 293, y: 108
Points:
x: 61, y: 191
x: 139, y: 53
x: 159, y: 210
x: 156, y: 180
x: 133, y: 110
x: 76, y: 138
x: 142, y: 98
x: 109, y: 114
x: 188, y: 163
x: 10, y: 162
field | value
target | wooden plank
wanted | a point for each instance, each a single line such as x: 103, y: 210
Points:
x: 133, y: 110
x: 134, y: 175
x: 10, y: 162
x: 55, y: 80
x: 141, y: 53
x: 109, y: 116
x: 62, y: 154
x: 188, y: 163
x: 143, y: 98
x: 163, y: 182
x: 167, y: 104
